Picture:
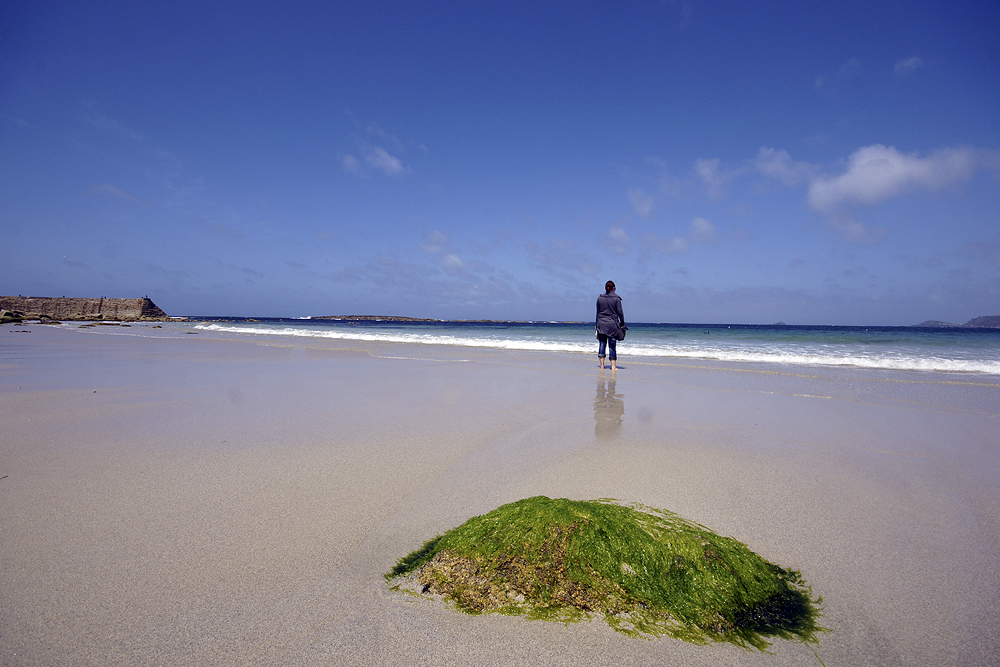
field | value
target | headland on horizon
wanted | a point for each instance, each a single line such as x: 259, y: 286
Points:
x: 13, y: 308
x: 983, y: 322
x: 16, y: 308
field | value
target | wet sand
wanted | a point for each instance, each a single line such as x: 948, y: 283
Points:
x: 179, y: 499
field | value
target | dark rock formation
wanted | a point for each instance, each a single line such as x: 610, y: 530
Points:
x: 56, y: 308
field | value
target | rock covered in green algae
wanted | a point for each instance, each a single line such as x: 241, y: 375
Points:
x: 647, y: 571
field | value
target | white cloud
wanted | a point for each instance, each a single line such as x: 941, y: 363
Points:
x: 107, y: 189
x: 373, y: 157
x: 377, y: 131
x: 642, y: 203
x: 672, y: 187
x: 877, y: 173
x: 703, y: 231
x: 587, y: 266
x: 379, y: 158
x: 452, y: 262
x: 841, y: 78
x: 618, y: 240
x: 673, y: 246
x: 778, y: 164
x: 561, y: 260
x: 351, y: 164
x: 853, y: 230
x: 437, y: 242
x: 108, y: 124
x: 712, y: 176
x: 906, y: 66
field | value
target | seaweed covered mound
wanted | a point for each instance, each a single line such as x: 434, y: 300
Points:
x: 647, y: 571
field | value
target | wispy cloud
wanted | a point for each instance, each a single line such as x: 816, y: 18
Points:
x: 350, y: 164
x: 987, y: 251
x: 438, y: 244
x: 376, y: 131
x: 435, y: 242
x: 110, y: 125
x: 378, y: 158
x: 401, y: 146
x: 561, y: 260
x: 642, y: 203
x: 374, y: 158
x: 779, y: 165
x: 907, y: 66
x: 377, y: 151
x: 472, y: 288
x: 667, y: 246
x: 703, y: 232
x: 16, y: 121
x: 618, y: 240
x: 115, y: 192
x: 220, y: 229
x: 242, y: 270
x: 843, y: 77
x: 712, y: 176
x: 452, y: 262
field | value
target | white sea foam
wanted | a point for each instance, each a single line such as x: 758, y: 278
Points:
x: 889, y: 357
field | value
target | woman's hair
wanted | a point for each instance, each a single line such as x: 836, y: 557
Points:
x: 609, y: 286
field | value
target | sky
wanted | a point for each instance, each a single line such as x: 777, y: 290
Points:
x: 722, y: 162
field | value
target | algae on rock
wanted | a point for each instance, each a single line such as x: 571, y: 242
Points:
x: 649, y: 572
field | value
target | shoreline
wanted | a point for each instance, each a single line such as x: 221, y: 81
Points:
x: 176, y: 499
x: 648, y: 345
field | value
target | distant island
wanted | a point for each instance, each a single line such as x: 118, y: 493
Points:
x: 983, y: 322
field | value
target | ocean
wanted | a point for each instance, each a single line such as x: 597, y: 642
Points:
x: 927, y: 349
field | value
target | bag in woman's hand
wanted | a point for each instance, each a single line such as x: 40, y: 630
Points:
x: 621, y: 333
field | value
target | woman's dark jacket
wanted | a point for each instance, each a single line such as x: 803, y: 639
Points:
x: 609, y: 314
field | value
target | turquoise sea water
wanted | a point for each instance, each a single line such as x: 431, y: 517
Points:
x: 946, y: 350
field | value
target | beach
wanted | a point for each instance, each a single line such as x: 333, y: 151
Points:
x: 179, y: 497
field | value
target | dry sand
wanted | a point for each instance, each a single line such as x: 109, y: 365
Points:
x: 175, y: 499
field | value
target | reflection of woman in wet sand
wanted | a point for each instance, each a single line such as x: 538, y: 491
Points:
x: 610, y: 319
x: 609, y: 408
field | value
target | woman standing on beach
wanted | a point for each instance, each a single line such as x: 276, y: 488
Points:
x: 610, y: 319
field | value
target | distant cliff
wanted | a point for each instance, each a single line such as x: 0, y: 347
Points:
x: 61, y: 308
x: 992, y: 321
x: 985, y: 322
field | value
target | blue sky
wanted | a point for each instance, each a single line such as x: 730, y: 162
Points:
x: 812, y: 163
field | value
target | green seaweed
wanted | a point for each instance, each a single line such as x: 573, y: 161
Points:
x: 649, y: 573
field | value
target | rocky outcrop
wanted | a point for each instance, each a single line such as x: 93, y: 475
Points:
x: 61, y: 308
x: 989, y: 321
